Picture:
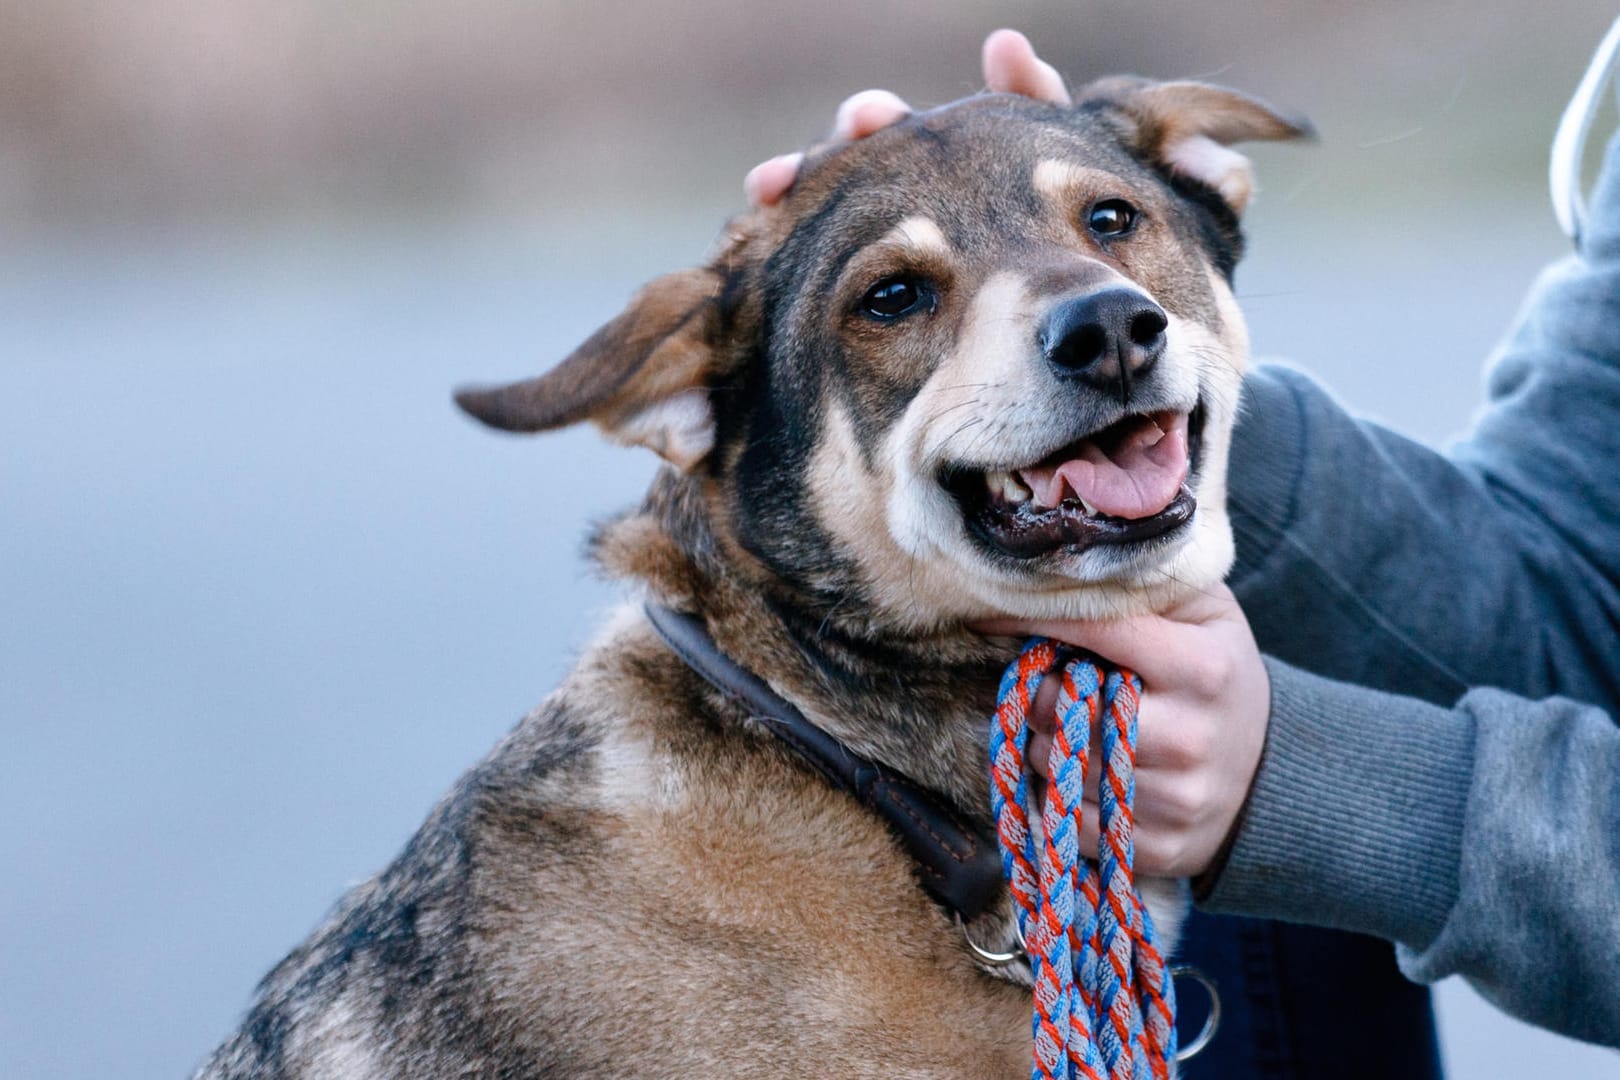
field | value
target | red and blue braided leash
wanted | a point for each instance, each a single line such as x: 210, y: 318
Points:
x: 1104, y: 1000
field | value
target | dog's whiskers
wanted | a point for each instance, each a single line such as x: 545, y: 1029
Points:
x: 958, y: 405
x: 969, y: 422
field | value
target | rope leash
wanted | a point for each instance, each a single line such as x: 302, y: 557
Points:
x: 1104, y: 1001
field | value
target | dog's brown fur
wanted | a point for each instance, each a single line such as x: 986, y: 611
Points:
x: 639, y: 879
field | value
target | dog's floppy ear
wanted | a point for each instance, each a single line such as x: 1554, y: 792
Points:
x: 1188, y: 127
x: 642, y: 378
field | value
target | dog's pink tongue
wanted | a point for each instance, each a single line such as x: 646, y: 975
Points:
x: 1133, y: 470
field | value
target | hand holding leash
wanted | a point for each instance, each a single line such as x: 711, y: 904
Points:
x: 1203, y: 723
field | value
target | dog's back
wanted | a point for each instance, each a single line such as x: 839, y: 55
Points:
x: 634, y: 882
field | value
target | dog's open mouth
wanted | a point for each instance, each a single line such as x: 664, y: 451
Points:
x: 1129, y: 482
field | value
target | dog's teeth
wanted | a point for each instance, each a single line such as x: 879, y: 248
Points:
x: 1007, y: 486
x: 1091, y: 511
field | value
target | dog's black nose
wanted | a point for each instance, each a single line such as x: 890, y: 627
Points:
x: 1107, y: 338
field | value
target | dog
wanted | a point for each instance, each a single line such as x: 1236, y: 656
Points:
x: 982, y: 363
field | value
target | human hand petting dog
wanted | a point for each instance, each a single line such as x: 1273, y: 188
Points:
x: 1207, y: 698
x: 1205, y: 707
x: 1010, y: 67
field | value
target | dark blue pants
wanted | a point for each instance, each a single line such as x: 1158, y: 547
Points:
x: 1300, y: 1003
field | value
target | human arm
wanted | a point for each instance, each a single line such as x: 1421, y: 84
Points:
x: 1478, y: 836
x: 1481, y: 837
x: 1497, y: 563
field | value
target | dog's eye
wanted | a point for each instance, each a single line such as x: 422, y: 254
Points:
x: 1111, y: 218
x: 896, y: 296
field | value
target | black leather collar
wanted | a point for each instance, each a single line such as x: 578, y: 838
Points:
x: 958, y: 866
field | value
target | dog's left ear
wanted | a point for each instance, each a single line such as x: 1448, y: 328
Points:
x: 1188, y: 127
x: 643, y: 378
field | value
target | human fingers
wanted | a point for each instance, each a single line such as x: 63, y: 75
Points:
x: 1011, y: 67
x: 1143, y: 644
x: 1043, y: 722
x: 1198, y: 607
x: 1197, y: 750
x: 1038, y: 753
x: 1159, y: 850
x: 1174, y: 748
x: 767, y: 182
x: 1177, y: 732
x: 1196, y: 760
x: 1181, y: 822
x: 866, y: 112
x: 1158, y: 647
x: 859, y: 116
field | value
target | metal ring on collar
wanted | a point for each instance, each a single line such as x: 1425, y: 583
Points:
x: 1206, y: 1034
x: 995, y: 959
x: 1212, y: 1023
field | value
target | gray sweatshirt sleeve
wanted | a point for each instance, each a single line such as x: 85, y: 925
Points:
x: 1483, y: 839
x: 1478, y: 828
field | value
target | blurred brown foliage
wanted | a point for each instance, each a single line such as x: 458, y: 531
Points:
x: 200, y: 109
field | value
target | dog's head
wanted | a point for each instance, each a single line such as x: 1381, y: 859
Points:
x: 984, y: 361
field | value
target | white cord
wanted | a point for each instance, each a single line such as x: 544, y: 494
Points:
x: 1564, y: 171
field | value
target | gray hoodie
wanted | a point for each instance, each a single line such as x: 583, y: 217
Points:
x: 1449, y: 778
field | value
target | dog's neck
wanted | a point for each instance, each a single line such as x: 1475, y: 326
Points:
x: 919, y: 705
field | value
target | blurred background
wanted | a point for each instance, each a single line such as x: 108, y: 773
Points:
x: 264, y: 594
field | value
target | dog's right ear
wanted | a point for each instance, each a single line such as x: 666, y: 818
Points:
x: 1189, y: 128
x: 643, y: 378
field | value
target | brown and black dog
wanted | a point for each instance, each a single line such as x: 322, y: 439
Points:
x: 982, y: 363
